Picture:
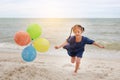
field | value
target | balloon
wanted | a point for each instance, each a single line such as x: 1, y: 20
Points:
x: 29, y: 53
x: 22, y: 38
x: 34, y: 30
x: 41, y: 44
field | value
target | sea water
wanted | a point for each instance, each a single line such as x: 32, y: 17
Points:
x: 105, y: 31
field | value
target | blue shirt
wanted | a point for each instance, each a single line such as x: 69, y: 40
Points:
x: 74, y: 46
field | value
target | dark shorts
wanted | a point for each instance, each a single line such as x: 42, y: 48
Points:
x: 75, y: 54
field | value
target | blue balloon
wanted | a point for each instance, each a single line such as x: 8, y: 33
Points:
x: 29, y: 53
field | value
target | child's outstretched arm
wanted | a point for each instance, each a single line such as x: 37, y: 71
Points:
x: 63, y: 44
x: 98, y: 45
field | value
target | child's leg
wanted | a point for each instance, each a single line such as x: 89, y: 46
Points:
x: 77, y: 64
x: 72, y: 59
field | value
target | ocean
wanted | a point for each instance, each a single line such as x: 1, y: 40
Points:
x: 105, y: 31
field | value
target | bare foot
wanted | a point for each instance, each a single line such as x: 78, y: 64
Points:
x: 74, y: 73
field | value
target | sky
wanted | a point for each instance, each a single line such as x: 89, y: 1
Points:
x: 60, y: 8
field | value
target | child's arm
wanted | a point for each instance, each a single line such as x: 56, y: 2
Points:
x: 65, y: 43
x: 98, y: 45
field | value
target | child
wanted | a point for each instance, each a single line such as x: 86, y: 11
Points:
x: 75, y: 45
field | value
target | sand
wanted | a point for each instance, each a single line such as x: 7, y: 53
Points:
x: 57, y: 67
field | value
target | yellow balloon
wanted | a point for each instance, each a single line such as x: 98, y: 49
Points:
x: 41, y: 44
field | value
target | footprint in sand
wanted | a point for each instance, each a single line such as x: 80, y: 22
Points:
x: 18, y: 71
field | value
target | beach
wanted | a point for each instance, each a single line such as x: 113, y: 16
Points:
x: 56, y: 67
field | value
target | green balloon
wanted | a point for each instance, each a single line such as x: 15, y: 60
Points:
x: 34, y: 31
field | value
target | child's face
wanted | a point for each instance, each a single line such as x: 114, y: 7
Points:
x: 77, y: 31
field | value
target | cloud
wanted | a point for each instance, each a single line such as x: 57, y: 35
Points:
x: 59, y: 8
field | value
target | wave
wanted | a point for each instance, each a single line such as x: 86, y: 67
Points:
x: 8, y: 45
x: 109, y: 45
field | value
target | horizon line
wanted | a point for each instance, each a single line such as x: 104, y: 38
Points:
x: 59, y: 17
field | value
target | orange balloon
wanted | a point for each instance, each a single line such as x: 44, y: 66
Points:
x: 22, y: 38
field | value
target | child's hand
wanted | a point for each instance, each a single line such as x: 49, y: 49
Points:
x: 57, y: 47
x: 101, y: 46
x: 98, y: 45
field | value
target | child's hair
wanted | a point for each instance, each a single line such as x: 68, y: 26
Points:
x: 82, y: 28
